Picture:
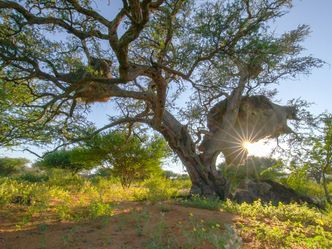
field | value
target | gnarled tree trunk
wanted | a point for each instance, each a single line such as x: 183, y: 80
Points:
x: 206, y: 180
x: 225, y: 135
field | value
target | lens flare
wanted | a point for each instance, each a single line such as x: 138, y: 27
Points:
x: 259, y: 148
x: 246, y: 145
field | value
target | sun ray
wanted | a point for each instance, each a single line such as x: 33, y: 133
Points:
x: 243, y: 140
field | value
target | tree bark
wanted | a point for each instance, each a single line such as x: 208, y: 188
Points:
x: 201, y: 167
x: 206, y: 180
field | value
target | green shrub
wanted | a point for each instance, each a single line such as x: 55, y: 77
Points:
x: 255, y: 168
x: 73, y: 160
x: 183, y: 185
x: 98, y: 208
x: 159, y: 189
x: 13, y: 191
x: 304, y: 186
x: 65, y: 180
x: 64, y: 211
x: 133, y: 159
x: 12, y: 166
x: 32, y: 177
x: 285, y: 225
x: 201, y: 202
x: 329, y: 186
x: 201, y: 231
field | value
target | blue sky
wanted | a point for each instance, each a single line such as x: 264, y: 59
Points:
x: 316, y: 87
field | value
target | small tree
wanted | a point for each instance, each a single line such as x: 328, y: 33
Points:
x: 73, y: 160
x: 128, y: 158
x: 11, y: 166
x: 320, y: 155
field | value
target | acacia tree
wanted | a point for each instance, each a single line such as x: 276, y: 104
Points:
x: 145, y: 59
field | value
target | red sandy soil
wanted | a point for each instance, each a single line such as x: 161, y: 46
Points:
x: 126, y: 229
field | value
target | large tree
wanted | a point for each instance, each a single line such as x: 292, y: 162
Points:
x: 145, y: 59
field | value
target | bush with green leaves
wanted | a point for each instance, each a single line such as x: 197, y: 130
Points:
x: 159, y: 189
x: 201, y: 202
x: 33, y: 177
x: 255, y: 168
x: 297, y: 179
x: 320, y: 154
x: 221, y: 236
x: 129, y: 158
x: 284, y: 225
x: 99, y: 208
x: 65, y: 179
x: 275, y: 226
x: 12, y: 166
x: 73, y: 160
x: 23, y: 193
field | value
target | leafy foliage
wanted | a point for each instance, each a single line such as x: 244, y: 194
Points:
x: 129, y: 158
x: 275, y: 226
x: 159, y: 189
x: 210, y: 231
x: 72, y: 197
x: 73, y: 160
x: 297, y: 179
x: 320, y: 155
x: 199, y: 202
x: 289, y: 225
x: 12, y: 166
x: 255, y: 168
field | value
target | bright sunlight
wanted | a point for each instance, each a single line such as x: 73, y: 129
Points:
x: 259, y: 148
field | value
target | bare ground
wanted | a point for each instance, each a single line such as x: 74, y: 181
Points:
x: 133, y: 225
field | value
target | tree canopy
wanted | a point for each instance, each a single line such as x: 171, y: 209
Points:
x: 145, y: 59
